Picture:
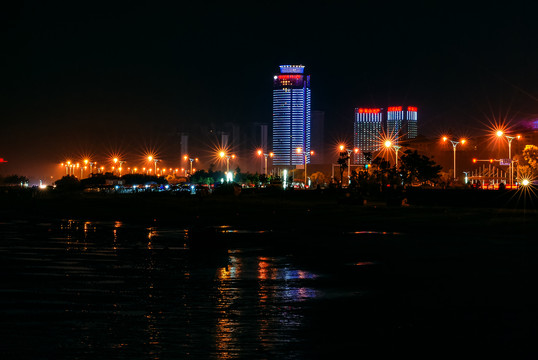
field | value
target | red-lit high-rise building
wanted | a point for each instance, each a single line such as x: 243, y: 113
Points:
x: 373, y: 125
x: 367, y: 130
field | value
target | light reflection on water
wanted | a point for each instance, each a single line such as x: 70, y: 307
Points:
x: 109, y: 288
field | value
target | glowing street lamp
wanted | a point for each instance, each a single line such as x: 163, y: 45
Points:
x: 186, y: 157
x: 349, y: 152
x: 500, y: 133
x: 222, y: 155
x: 300, y: 151
x: 454, y: 145
x: 150, y: 159
x: 86, y: 161
x: 260, y: 153
x: 388, y: 144
x: 121, y: 162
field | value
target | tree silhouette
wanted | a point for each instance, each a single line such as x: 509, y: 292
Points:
x: 415, y: 167
x: 342, y: 161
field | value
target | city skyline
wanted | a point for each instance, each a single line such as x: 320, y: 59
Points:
x: 89, y: 78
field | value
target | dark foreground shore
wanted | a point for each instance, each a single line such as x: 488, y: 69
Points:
x: 428, y: 212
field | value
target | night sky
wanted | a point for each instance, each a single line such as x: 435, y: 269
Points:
x: 90, y: 77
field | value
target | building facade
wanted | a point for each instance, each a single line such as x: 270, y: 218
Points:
x: 291, y: 116
x: 372, y: 125
x: 367, y: 131
x: 401, y: 123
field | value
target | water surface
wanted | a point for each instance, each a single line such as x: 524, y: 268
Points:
x: 87, y: 290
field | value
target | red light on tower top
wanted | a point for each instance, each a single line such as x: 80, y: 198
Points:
x: 394, y: 108
x: 368, y: 111
x: 412, y: 108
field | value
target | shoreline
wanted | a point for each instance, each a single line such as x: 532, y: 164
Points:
x: 310, y: 213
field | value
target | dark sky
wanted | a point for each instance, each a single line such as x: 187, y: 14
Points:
x: 90, y: 77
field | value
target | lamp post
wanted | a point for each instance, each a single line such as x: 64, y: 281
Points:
x: 396, y: 149
x: 388, y: 144
x: 349, y: 152
x: 150, y: 159
x: 222, y: 155
x: 260, y: 153
x: 115, y: 160
x: 187, y: 157
x: 454, y: 145
x: 86, y: 161
x: 509, y: 138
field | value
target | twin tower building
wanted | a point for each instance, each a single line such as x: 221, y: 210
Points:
x: 292, y: 119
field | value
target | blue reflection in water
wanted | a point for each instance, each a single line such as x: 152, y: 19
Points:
x: 256, y: 297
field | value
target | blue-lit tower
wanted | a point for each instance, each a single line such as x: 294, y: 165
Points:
x: 367, y: 132
x: 291, y: 116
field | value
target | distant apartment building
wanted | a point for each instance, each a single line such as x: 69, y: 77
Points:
x: 367, y: 131
x: 401, y: 123
x: 373, y: 124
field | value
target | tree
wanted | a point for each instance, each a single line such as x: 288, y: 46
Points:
x: 415, y: 167
x: 342, y: 161
x: 68, y: 183
x: 530, y: 154
x: 202, y: 177
x: 318, y: 178
x: 14, y: 180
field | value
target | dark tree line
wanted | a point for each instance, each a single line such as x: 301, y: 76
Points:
x: 12, y: 180
x: 413, y: 168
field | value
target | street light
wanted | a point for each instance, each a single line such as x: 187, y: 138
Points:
x: 454, y: 145
x: 150, y: 159
x: 222, y: 154
x: 260, y: 153
x: 388, y: 145
x: 500, y: 133
x: 300, y: 151
x: 349, y: 152
x: 86, y: 161
x: 116, y: 160
x: 186, y: 157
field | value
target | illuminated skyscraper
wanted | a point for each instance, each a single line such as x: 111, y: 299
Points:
x: 291, y: 115
x: 410, y: 123
x: 395, y: 118
x: 368, y: 127
x: 401, y: 124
